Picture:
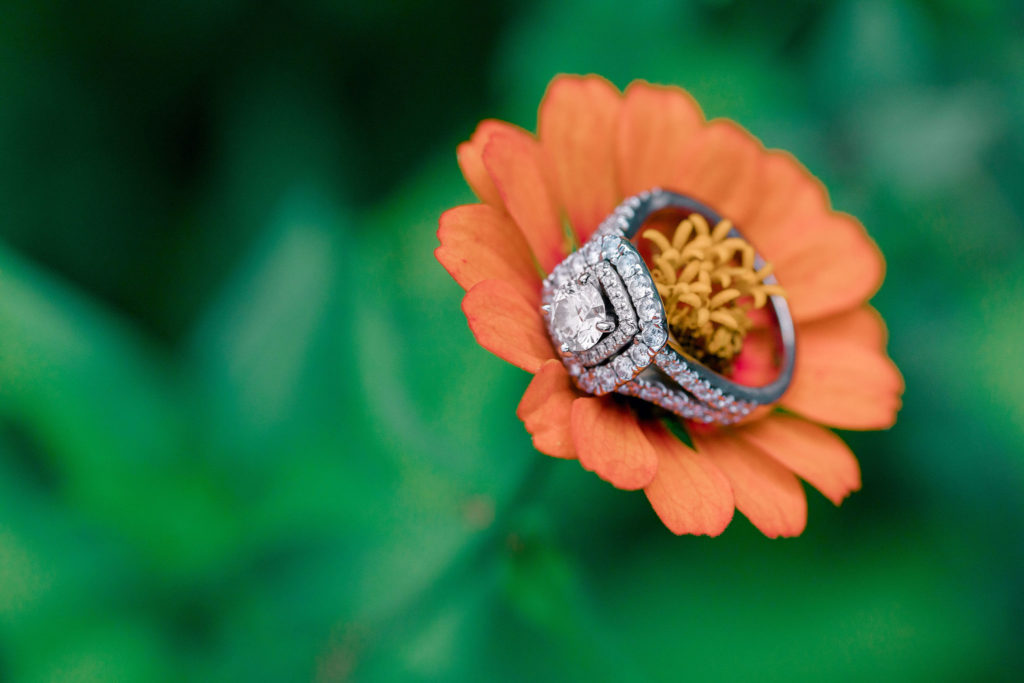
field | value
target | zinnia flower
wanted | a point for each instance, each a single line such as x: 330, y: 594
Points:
x: 595, y: 146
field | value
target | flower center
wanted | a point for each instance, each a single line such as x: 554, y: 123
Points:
x: 709, y: 284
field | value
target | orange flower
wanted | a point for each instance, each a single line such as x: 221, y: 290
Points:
x: 596, y: 146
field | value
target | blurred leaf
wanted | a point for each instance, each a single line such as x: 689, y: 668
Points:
x: 705, y: 609
x: 103, y: 650
x: 98, y: 408
x: 999, y: 329
x: 254, y: 344
x: 433, y: 399
x: 866, y: 48
x: 23, y: 579
x: 60, y: 352
x: 927, y: 140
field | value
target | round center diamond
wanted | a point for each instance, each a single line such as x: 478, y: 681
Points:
x: 575, y: 313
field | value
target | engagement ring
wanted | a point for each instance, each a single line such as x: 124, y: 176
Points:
x: 605, y: 315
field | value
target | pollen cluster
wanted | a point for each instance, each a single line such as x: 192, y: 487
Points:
x: 708, y: 282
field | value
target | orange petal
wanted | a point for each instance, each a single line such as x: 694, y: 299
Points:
x: 546, y: 410
x: 609, y: 441
x: 788, y: 191
x: 841, y: 381
x: 690, y: 494
x: 824, y: 259
x: 576, y: 125
x: 513, y: 160
x: 862, y: 325
x: 827, y: 264
x: 479, y: 242
x: 811, y: 451
x: 470, y: 156
x: 765, y: 491
x: 721, y: 167
x: 655, y: 125
x: 507, y: 325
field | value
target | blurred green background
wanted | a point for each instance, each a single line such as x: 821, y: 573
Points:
x: 245, y: 433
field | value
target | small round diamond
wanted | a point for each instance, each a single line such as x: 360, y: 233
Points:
x: 654, y: 336
x: 587, y: 382
x: 640, y: 354
x: 651, y: 392
x: 639, y: 287
x: 591, y: 253
x: 628, y: 263
x: 605, y: 377
x: 648, y: 309
x: 610, y: 247
x: 623, y: 367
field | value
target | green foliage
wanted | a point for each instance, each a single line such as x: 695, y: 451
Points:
x: 245, y: 433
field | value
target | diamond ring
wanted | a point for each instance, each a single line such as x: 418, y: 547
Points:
x: 605, y: 316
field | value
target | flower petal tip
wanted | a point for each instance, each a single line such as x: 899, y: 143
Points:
x: 507, y: 325
x: 689, y: 493
x: 766, y: 492
x: 546, y: 410
x: 609, y: 442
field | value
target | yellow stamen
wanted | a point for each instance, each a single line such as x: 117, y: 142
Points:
x: 708, y: 283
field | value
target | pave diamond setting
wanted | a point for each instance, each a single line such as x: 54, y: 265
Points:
x: 576, y: 314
